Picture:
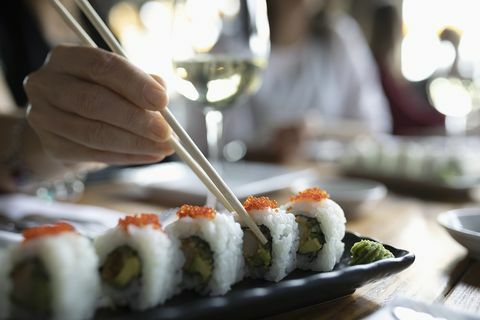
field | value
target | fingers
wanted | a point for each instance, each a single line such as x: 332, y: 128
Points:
x: 92, y: 105
x: 94, y: 102
x: 112, y: 71
x: 70, y: 152
x: 93, y: 134
x: 159, y: 80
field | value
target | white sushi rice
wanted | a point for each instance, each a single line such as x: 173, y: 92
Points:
x: 224, y: 237
x: 284, y: 231
x: 332, y: 222
x: 161, y: 263
x: 71, y: 263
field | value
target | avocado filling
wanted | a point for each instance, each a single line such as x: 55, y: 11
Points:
x: 312, y: 238
x: 122, y: 267
x: 198, y: 266
x: 31, y: 287
x: 258, y: 256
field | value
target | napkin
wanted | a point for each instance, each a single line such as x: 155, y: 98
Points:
x: 407, y: 309
x: 29, y: 211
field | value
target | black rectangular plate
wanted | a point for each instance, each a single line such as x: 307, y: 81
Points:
x: 252, y: 299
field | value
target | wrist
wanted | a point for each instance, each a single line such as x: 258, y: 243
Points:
x: 47, y: 177
x: 13, y: 174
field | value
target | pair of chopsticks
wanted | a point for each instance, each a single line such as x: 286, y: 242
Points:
x: 194, y: 158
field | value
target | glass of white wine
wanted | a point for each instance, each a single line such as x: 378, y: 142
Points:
x: 219, y: 50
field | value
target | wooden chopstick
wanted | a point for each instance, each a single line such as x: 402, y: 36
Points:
x: 72, y: 23
x: 195, y: 158
x: 182, y: 153
x: 185, y: 156
x: 191, y: 147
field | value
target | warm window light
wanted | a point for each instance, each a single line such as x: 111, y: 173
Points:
x: 446, y: 55
x: 417, y: 60
x: 202, y: 24
x: 121, y: 16
x: 144, y: 33
x: 198, y: 25
x: 422, y: 53
x: 469, y: 52
x: 157, y: 16
x: 451, y: 97
x: 229, y: 7
x: 125, y: 22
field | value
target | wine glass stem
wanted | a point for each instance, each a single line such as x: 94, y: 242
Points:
x: 456, y: 126
x: 214, y: 124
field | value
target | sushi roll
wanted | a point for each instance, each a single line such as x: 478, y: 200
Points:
x: 139, y: 263
x: 412, y: 156
x: 277, y: 258
x: 211, y: 245
x: 390, y: 156
x: 363, y: 154
x: 52, y: 274
x: 321, y: 226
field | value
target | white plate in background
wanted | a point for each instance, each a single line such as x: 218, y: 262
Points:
x: 175, y: 182
x: 464, y: 226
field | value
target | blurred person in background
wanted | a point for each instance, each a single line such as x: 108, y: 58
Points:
x: 86, y: 107
x: 411, y: 112
x: 320, y: 70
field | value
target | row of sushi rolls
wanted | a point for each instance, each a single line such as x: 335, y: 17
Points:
x: 427, y: 160
x: 58, y: 273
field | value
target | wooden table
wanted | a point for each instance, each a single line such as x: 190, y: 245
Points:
x: 442, y: 272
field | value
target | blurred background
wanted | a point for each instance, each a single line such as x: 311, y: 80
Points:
x: 426, y: 54
x: 430, y: 46
x: 379, y: 89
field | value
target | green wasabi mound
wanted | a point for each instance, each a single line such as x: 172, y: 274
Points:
x: 366, y: 251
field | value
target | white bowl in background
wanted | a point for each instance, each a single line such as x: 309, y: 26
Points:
x: 355, y: 196
x: 464, y: 226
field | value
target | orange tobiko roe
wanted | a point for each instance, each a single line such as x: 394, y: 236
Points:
x: 195, y: 212
x: 254, y: 203
x: 140, y: 220
x: 46, y: 230
x: 311, y: 194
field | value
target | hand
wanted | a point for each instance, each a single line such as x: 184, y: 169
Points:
x: 90, y: 105
x: 285, y: 144
x: 288, y: 140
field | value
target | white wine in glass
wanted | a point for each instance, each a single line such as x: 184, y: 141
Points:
x: 219, y: 81
x: 220, y: 48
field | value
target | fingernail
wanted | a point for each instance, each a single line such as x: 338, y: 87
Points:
x: 160, y: 130
x: 155, y: 96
